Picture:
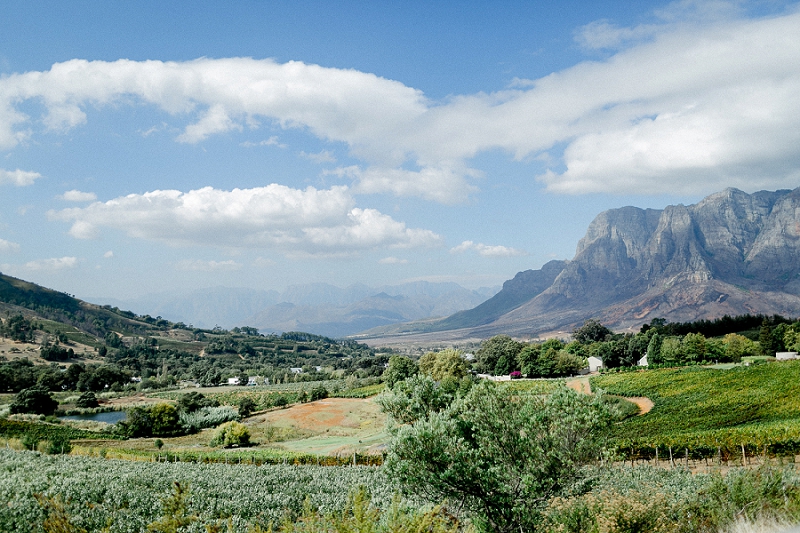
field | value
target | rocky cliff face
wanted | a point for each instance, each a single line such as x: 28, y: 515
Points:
x: 731, y: 253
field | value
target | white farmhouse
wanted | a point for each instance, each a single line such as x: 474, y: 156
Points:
x: 642, y: 361
x: 785, y: 356
x: 595, y: 364
x: 233, y: 381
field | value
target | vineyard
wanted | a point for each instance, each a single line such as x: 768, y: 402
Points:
x: 708, y: 412
x: 128, y: 494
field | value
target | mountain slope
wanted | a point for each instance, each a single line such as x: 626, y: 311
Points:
x: 731, y: 253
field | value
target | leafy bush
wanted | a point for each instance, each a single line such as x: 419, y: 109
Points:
x: 318, y: 393
x: 87, y: 400
x: 231, y: 434
x: 246, y: 406
x: 499, y: 453
x: 58, y: 444
x: 34, y: 400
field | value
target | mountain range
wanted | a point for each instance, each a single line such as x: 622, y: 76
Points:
x: 318, y: 308
x: 731, y: 253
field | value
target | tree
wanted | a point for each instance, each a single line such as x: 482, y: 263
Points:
x: 192, y: 401
x: 738, y: 346
x: 231, y: 434
x: 87, y: 400
x: 399, y: 368
x: 165, y: 420
x: 35, y: 400
x: 137, y: 423
x: 766, y: 341
x: 591, y: 331
x: 694, y: 347
x: 493, y: 349
x: 654, y: 349
x: 443, y: 364
x: 246, y: 406
x: 17, y: 328
x: 499, y: 454
x: 416, y: 398
x: 318, y: 393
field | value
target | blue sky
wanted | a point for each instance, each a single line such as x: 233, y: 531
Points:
x: 152, y: 146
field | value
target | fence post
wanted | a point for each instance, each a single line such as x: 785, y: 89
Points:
x: 744, y: 457
x: 656, y: 456
x: 671, y: 460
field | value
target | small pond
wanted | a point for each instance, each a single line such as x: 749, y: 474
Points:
x: 111, y: 417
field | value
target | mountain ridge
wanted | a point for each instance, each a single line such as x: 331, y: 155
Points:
x: 730, y: 253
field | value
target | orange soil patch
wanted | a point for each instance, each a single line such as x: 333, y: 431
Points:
x: 645, y: 404
x: 582, y: 385
x: 324, y: 414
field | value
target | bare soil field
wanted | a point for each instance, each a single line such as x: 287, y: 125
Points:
x: 331, y: 426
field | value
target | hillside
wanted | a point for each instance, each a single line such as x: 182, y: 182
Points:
x: 731, y: 253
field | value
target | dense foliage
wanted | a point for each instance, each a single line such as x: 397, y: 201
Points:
x: 499, y: 453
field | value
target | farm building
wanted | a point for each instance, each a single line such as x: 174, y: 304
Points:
x: 233, y: 381
x: 785, y: 356
x: 642, y: 361
x: 595, y: 364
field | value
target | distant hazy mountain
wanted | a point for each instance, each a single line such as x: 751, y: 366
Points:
x: 316, y: 308
x: 732, y: 253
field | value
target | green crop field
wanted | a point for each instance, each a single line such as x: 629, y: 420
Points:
x: 129, y: 493
x: 711, y: 410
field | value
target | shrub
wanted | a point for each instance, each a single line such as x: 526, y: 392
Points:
x: 34, y: 400
x: 246, y: 407
x: 231, y: 434
x: 207, y: 417
x: 58, y: 444
x: 165, y: 420
x: 29, y: 441
x: 87, y: 400
x: 318, y: 393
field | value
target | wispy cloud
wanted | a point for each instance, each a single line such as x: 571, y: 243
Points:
x: 78, y: 196
x: 486, y: 250
x: 392, y: 261
x: 272, y: 141
x: 20, y: 178
x: 293, y: 221
x: 7, y: 246
x: 325, y: 156
x: 56, y: 263
x: 198, y: 265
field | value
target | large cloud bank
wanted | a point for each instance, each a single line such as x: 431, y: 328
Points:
x: 695, y: 107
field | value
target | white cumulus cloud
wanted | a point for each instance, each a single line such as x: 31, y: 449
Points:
x: 486, y: 250
x: 20, y: 178
x: 699, y: 100
x: 293, y: 221
x: 78, y: 196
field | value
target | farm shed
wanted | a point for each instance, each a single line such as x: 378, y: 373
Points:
x: 595, y: 364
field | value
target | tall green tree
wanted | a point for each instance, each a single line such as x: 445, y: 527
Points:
x: 492, y: 350
x: 400, y: 368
